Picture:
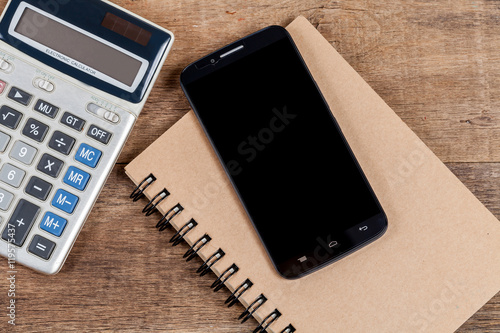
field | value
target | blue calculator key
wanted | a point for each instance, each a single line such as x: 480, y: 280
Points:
x: 88, y: 155
x: 53, y: 224
x: 65, y: 201
x: 76, y: 178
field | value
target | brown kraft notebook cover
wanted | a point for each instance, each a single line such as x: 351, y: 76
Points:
x: 437, y: 264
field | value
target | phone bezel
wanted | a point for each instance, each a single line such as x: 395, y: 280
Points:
x: 289, y: 269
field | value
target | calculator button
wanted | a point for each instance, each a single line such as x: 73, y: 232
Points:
x: 35, y: 130
x: 46, y: 108
x: 3, y: 84
x: 53, y: 224
x: 99, y: 134
x: 72, y: 121
x: 10, y: 117
x: 5, y: 199
x: 61, y: 142
x: 50, y: 165
x: 38, y: 188
x: 65, y: 201
x: 76, y: 178
x: 12, y: 175
x: 19, y: 96
x: 20, y: 222
x: 23, y: 152
x: 4, y: 141
x: 41, y: 247
x: 88, y: 155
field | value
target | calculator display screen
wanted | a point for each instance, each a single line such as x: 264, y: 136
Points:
x: 77, y: 48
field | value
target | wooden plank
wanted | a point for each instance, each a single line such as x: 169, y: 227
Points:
x: 435, y: 63
x: 123, y: 275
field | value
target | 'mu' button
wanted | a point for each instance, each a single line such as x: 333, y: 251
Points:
x: 88, y: 155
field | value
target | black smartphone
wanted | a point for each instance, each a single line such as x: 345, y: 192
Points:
x: 283, y: 151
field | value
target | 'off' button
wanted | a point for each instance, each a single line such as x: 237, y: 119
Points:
x: 99, y: 134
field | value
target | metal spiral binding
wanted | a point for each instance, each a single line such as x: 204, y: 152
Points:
x: 247, y: 314
x: 179, y: 235
x: 221, y: 280
x: 197, y: 246
x: 205, y: 268
x: 164, y: 222
x: 288, y: 329
x: 139, y: 190
x: 235, y: 296
x: 266, y: 322
x: 151, y: 206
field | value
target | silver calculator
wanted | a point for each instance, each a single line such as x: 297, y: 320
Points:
x: 74, y: 76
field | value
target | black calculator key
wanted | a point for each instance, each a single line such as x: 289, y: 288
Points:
x: 10, y: 117
x: 20, y: 96
x: 72, y: 121
x: 20, y: 222
x: 35, y: 130
x: 41, y: 247
x: 46, y: 108
x: 50, y: 165
x: 99, y: 134
x: 61, y: 142
x: 38, y: 188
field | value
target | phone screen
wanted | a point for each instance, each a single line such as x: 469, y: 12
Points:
x: 285, y: 155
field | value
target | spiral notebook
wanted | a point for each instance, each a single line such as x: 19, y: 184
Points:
x: 437, y: 264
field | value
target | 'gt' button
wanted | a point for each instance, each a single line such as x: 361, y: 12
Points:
x: 88, y: 155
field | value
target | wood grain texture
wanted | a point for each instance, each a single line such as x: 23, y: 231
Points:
x: 436, y: 63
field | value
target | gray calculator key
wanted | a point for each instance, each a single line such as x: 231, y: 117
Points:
x: 12, y: 175
x: 19, y: 96
x: 99, y: 134
x: 35, y: 130
x: 61, y: 142
x: 4, y: 141
x: 5, y: 199
x: 41, y: 247
x: 10, y: 117
x: 72, y: 121
x: 46, y: 108
x: 38, y: 188
x: 23, y: 152
x: 20, y: 222
x: 50, y: 165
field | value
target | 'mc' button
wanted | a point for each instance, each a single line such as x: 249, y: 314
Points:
x: 88, y: 155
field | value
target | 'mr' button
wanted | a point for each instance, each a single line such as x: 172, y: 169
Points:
x: 88, y: 155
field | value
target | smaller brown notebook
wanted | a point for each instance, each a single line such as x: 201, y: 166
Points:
x: 437, y: 264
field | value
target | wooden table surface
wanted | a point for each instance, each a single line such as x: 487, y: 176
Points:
x: 436, y: 63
